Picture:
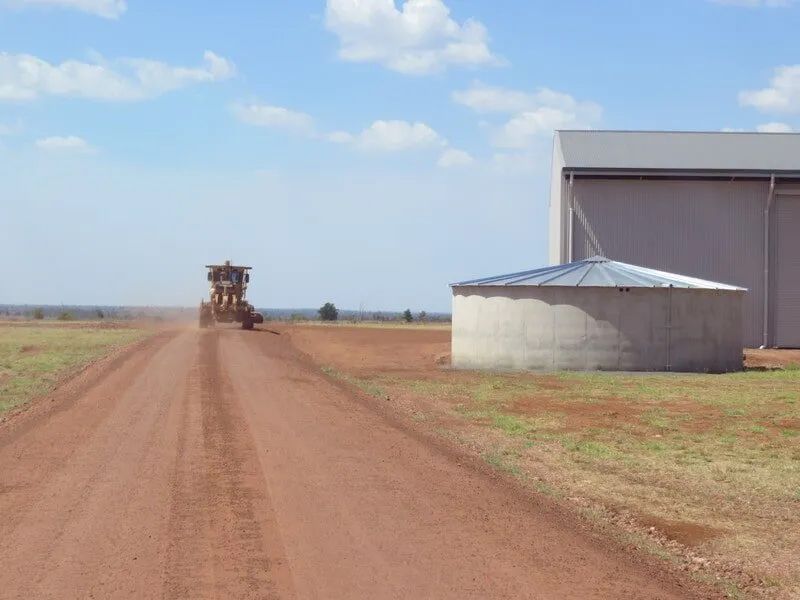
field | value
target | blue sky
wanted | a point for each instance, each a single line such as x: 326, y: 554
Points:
x: 366, y: 152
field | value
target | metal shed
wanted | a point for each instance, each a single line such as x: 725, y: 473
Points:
x: 716, y: 205
x: 597, y: 314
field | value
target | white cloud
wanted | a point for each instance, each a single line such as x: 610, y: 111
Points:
x: 453, y: 157
x: 394, y: 136
x: 380, y: 136
x: 536, y: 114
x: 774, y: 127
x: 26, y: 77
x: 340, y: 137
x: 754, y: 3
x: 486, y: 99
x: 278, y: 117
x: 108, y: 9
x: 69, y: 143
x: 418, y: 38
x: 783, y: 94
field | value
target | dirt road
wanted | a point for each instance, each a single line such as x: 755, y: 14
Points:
x: 222, y: 464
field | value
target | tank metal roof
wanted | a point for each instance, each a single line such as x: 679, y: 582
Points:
x: 680, y: 150
x: 598, y: 271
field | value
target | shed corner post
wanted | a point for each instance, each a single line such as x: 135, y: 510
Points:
x: 767, y: 207
x: 571, y: 204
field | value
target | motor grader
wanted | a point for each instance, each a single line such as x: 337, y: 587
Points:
x: 227, y: 301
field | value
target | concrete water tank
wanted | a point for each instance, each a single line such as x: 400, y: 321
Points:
x: 597, y: 314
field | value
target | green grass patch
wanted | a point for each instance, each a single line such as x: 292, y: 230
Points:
x: 366, y: 385
x: 503, y: 461
x: 591, y: 449
x: 33, y: 359
x: 717, y: 451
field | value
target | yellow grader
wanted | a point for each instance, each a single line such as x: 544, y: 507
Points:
x: 227, y: 297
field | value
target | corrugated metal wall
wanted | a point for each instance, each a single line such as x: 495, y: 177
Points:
x: 708, y: 229
x: 786, y: 288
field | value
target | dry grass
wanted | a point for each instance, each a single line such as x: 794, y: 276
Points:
x: 35, y: 357
x: 708, y: 466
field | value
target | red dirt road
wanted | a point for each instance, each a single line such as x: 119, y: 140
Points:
x: 222, y: 464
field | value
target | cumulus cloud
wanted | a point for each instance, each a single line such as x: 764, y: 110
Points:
x: 484, y: 98
x: 383, y: 136
x: 278, y: 117
x: 108, y: 9
x: 519, y: 131
x: 418, y: 38
x: 535, y: 114
x: 26, y: 77
x: 340, y: 137
x: 774, y: 127
x: 394, y: 136
x: 69, y: 143
x: 782, y: 95
x: 452, y: 157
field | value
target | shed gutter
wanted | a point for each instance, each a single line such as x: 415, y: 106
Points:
x: 628, y: 172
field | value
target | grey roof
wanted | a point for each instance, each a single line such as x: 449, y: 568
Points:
x: 680, y: 150
x: 598, y: 272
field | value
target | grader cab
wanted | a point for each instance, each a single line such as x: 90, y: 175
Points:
x: 227, y: 301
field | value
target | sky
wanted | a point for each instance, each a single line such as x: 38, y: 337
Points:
x: 365, y: 152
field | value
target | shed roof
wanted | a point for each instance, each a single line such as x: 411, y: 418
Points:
x: 598, y: 271
x: 680, y: 150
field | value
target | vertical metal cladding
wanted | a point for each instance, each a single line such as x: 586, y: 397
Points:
x: 785, y: 279
x: 711, y: 229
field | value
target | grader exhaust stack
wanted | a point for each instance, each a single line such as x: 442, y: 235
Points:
x: 227, y: 297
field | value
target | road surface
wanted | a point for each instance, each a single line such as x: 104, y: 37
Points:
x: 222, y: 464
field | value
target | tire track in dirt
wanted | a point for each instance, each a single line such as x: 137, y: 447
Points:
x: 371, y: 509
x: 221, y: 519
x: 87, y: 508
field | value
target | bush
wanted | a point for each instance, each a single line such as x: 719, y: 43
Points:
x: 407, y: 316
x: 66, y: 316
x: 38, y: 314
x: 328, y: 312
x: 100, y: 314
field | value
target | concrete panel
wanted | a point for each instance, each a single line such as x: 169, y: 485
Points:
x: 539, y: 333
x: 637, y: 329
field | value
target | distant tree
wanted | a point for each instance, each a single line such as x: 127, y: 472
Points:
x: 328, y: 312
x: 38, y: 314
x: 100, y: 314
x: 407, y: 316
x: 66, y: 316
x: 422, y: 316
